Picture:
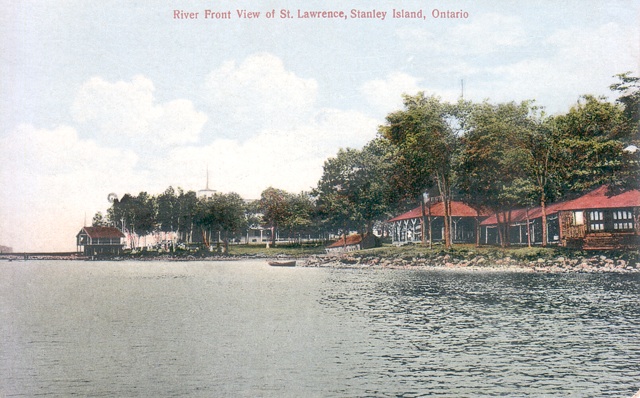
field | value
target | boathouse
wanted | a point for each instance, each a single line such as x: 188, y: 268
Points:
x: 407, y: 227
x: 100, y: 241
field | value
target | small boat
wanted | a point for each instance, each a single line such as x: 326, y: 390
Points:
x: 282, y: 263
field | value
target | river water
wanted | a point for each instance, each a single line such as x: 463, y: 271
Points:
x: 244, y: 329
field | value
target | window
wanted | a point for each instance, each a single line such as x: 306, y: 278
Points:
x: 596, y: 220
x: 622, y: 220
x: 578, y: 218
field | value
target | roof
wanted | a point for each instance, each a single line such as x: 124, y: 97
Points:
x: 351, y: 240
x: 596, y: 199
x: 102, y: 232
x: 458, y: 209
x: 520, y: 215
x: 599, y: 199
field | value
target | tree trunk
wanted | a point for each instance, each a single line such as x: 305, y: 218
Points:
x: 528, y: 230
x: 424, y: 223
x: 500, y: 230
x: 443, y: 187
x: 273, y: 236
x: 543, y: 207
x: 478, y: 229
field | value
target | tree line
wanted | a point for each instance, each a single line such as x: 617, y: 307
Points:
x: 493, y: 156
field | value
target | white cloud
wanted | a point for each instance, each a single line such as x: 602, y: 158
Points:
x: 290, y: 159
x: 126, y: 112
x: 386, y: 94
x: 49, y: 179
x: 581, y: 62
x: 258, y: 92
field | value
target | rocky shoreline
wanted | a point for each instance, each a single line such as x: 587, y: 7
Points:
x: 580, y: 262
x: 597, y: 263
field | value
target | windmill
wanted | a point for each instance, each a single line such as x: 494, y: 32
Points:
x: 112, y: 197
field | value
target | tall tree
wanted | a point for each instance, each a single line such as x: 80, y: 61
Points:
x: 98, y: 220
x: 187, y: 203
x: 274, y: 205
x: 491, y: 167
x: 354, y: 189
x: 591, y: 141
x: 426, y: 133
x: 167, y: 204
x: 629, y: 89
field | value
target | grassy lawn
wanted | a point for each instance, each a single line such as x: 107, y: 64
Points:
x: 279, y: 250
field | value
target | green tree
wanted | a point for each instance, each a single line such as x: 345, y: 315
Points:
x: 187, y: 204
x: 98, y: 220
x: 274, y: 206
x: 167, y: 204
x: 592, y: 137
x: 354, y: 190
x: 491, y: 170
x: 629, y: 89
x: 144, y: 210
x: 427, y: 135
x: 301, y: 210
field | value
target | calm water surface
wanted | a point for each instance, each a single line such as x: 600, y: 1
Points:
x: 244, y: 329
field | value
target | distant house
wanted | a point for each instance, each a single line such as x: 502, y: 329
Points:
x: 100, y: 241
x: 407, y: 227
x: 592, y: 221
x: 352, y: 243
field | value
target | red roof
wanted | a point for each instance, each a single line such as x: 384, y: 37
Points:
x: 520, y: 215
x: 458, y: 209
x: 102, y: 232
x: 351, y: 240
x: 596, y: 199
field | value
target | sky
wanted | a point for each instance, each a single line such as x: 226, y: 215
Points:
x: 123, y: 97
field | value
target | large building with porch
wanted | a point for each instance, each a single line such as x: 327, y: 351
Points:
x: 599, y: 220
x: 407, y: 227
x: 596, y: 220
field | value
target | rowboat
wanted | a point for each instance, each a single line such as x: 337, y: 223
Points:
x: 282, y: 263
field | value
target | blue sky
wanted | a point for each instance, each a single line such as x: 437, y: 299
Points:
x: 119, y: 96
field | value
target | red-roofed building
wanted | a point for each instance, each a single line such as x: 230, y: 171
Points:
x: 352, y: 243
x: 595, y: 220
x: 407, y: 227
x: 598, y: 220
x: 524, y: 222
x: 100, y: 241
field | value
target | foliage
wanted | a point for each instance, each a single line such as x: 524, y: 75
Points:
x: 98, y: 220
x: 591, y: 140
x: 499, y: 151
x: 629, y: 88
x: 286, y: 211
x: 427, y: 135
x: 354, y: 192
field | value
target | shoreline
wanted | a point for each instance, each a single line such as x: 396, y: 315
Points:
x: 486, y: 262
x: 596, y: 263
